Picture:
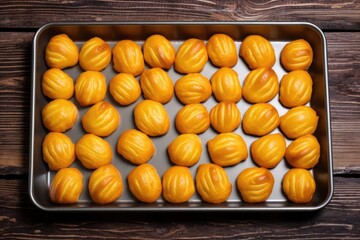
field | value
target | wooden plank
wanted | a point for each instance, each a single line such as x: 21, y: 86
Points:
x: 344, y: 79
x: 340, y: 15
x: 20, y: 219
x: 15, y: 85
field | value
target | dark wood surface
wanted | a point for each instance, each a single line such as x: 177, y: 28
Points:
x: 19, y: 219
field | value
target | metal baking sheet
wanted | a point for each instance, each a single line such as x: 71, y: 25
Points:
x: 278, y: 33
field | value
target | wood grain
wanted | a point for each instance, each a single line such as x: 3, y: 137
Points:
x: 344, y: 79
x: 336, y: 15
x: 20, y: 219
x: 15, y: 85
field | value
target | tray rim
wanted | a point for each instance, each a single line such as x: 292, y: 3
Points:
x: 66, y: 208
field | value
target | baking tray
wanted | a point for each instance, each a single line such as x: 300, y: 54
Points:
x: 279, y: 33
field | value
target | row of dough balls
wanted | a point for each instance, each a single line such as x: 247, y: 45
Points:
x: 261, y: 85
x: 177, y: 185
x: 191, y: 57
x: 226, y: 149
x: 151, y: 117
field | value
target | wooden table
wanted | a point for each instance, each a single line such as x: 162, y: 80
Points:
x: 20, y: 219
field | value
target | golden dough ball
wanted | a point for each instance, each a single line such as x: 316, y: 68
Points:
x: 178, y: 184
x: 260, y: 85
x: 268, y: 151
x: 102, y: 119
x: 93, y: 151
x: 299, y: 121
x: 304, y: 152
x: 296, y: 55
x: 212, y: 183
x: 135, y: 146
x: 59, y: 115
x: 222, y: 50
x: 151, y: 118
x: 295, y: 88
x: 191, y: 56
x: 61, y: 52
x: 90, y: 88
x: 185, y: 150
x: 227, y: 149
x: 145, y: 183
x: 66, y: 186
x: 193, y: 88
x: 225, y: 117
x: 125, y: 89
x: 128, y: 58
x: 257, y: 52
x: 225, y: 85
x: 57, y: 84
x: 95, y: 55
x: 193, y: 118
x: 298, y: 185
x: 157, y: 85
x: 105, y: 184
x: 260, y: 119
x: 159, y: 52
x: 58, y: 150
x: 255, y: 184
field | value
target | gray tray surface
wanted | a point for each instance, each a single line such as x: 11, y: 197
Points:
x: 278, y: 33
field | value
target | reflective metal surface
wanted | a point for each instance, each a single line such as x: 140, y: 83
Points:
x: 278, y: 33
